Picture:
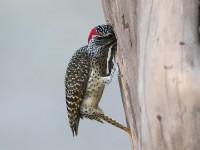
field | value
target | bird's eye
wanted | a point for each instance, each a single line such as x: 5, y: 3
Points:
x: 110, y: 36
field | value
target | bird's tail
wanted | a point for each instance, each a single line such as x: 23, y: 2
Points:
x: 115, y: 123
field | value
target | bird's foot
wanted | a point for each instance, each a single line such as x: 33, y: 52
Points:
x: 108, y: 79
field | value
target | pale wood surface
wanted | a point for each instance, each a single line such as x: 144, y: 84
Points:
x: 159, y: 59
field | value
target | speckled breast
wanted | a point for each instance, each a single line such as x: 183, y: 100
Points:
x: 94, y: 89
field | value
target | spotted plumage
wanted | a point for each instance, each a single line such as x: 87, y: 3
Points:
x: 77, y: 75
x: 86, y: 77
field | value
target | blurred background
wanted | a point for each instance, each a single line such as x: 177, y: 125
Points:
x: 37, y: 40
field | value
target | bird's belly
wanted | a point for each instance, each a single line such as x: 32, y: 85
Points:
x: 94, y: 90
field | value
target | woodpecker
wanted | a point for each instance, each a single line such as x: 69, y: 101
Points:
x: 86, y: 77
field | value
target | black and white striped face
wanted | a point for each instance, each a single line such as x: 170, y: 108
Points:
x: 102, y: 35
x: 105, y: 30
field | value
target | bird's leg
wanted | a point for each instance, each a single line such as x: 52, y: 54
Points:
x: 115, y: 123
x: 98, y: 115
x: 91, y: 113
x: 108, y: 79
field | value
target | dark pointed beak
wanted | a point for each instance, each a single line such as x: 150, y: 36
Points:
x: 107, y: 40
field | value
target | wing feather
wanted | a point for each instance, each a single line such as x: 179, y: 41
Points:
x: 76, y: 79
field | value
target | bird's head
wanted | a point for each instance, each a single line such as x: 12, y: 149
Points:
x: 102, y: 35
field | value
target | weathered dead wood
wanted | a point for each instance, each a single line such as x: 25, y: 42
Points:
x: 159, y: 59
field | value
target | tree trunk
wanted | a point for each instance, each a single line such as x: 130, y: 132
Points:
x: 159, y: 59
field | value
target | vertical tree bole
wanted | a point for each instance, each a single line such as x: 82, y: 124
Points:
x: 158, y: 54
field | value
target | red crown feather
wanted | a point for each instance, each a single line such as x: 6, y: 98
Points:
x: 92, y: 33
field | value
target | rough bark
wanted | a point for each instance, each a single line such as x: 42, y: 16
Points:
x: 159, y: 59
